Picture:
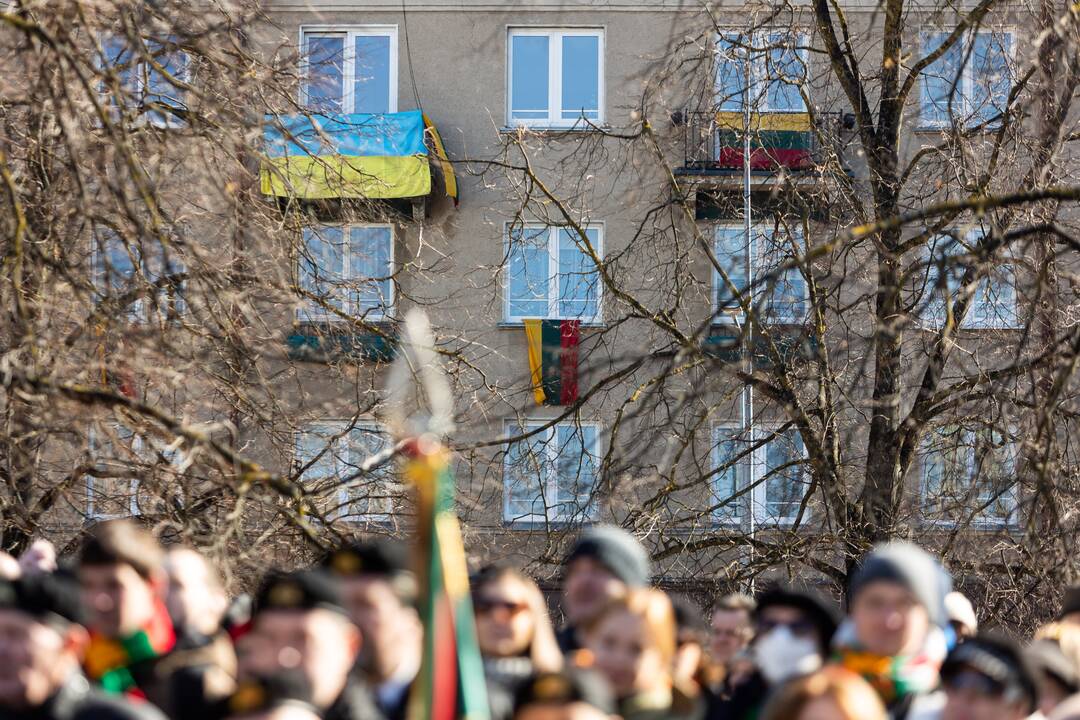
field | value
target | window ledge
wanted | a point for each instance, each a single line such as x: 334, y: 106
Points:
x: 516, y: 324
x: 532, y: 525
x: 543, y: 129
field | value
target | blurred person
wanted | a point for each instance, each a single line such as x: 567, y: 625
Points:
x: 632, y: 642
x: 379, y: 592
x: 42, y: 642
x: 570, y: 694
x: 792, y: 632
x: 961, y: 616
x: 1070, y: 606
x: 604, y: 563
x: 732, y: 631
x: 9, y: 566
x: 691, y: 667
x: 1067, y: 637
x: 280, y: 696
x: 300, y: 625
x: 1056, y: 673
x: 988, y: 678
x: 831, y: 693
x: 513, y: 629
x: 893, y: 635
x: 40, y: 557
x: 133, y: 645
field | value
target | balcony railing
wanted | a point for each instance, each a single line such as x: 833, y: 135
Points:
x: 715, y: 142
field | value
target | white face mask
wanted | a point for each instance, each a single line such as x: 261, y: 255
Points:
x: 780, y: 655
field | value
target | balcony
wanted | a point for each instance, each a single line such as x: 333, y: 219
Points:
x: 795, y: 148
x: 321, y: 156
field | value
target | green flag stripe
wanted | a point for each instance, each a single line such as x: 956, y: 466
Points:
x: 551, y: 344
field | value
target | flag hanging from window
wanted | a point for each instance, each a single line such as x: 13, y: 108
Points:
x: 450, y: 685
x: 553, y: 360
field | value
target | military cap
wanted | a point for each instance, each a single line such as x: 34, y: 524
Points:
x: 568, y: 686
x: 45, y: 597
x: 265, y: 693
x: 301, y: 590
x: 999, y: 659
x: 376, y: 557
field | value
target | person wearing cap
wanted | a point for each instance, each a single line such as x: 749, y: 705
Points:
x: 42, y: 642
x: 379, y: 592
x: 894, y: 634
x: 988, y: 678
x: 570, y: 694
x: 603, y: 564
x: 133, y: 643
x: 961, y: 615
x: 300, y: 624
x: 284, y: 695
x: 792, y: 632
x: 1056, y: 672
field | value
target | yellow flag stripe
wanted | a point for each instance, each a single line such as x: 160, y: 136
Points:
x: 726, y: 120
x: 534, y: 337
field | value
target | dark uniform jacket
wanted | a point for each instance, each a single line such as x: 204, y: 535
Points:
x: 77, y: 700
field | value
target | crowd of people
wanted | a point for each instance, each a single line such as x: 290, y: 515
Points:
x: 131, y: 630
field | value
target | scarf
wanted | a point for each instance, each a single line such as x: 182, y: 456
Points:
x: 109, y: 660
x: 894, y: 677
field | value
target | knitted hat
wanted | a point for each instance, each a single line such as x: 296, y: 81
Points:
x: 911, y: 567
x: 959, y: 610
x: 615, y: 549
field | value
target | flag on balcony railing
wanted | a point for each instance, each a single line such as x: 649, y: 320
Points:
x: 553, y: 360
x: 776, y: 140
x: 319, y: 156
x: 450, y: 685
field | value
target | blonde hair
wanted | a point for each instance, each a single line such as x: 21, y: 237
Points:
x: 853, y: 695
x: 1066, y: 635
x: 655, y: 610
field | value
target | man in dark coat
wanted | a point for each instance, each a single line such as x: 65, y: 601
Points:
x: 42, y: 641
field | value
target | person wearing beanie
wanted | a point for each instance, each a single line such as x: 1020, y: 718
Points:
x: 792, y: 631
x: 988, y: 678
x: 42, y: 644
x: 603, y: 564
x: 894, y: 634
x: 961, y: 614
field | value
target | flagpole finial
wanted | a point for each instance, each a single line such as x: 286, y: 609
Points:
x: 419, y: 403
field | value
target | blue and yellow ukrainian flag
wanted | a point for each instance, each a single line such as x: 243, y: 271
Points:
x: 355, y: 155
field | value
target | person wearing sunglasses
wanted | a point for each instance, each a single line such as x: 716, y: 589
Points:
x: 792, y: 632
x: 513, y: 629
x: 988, y: 678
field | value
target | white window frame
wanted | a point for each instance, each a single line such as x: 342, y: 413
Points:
x: 350, y: 33
x: 140, y: 447
x: 553, y: 273
x: 758, y: 79
x: 966, y: 87
x: 310, y: 312
x: 733, y: 314
x: 555, y: 109
x: 139, y: 310
x: 587, y: 511
x: 330, y: 428
x: 934, y: 307
x: 752, y: 468
x: 981, y: 520
x: 141, y: 73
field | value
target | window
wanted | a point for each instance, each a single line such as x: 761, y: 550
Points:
x: 551, y: 476
x: 767, y: 67
x: 970, y: 83
x: 329, y: 455
x: 969, y: 474
x: 769, y: 462
x: 350, y: 269
x: 994, y: 302
x: 145, y: 279
x: 556, y: 77
x: 122, y: 458
x: 776, y: 296
x: 152, y: 91
x: 551, y: 275
x: 350, y: 70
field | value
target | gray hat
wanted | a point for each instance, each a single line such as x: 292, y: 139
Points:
x: 910, y: 566
x: 617, y: 550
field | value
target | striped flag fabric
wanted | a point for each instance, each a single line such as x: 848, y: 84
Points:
x: 451, y: 683
x: 553, y: 360
x: 776, y: 140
